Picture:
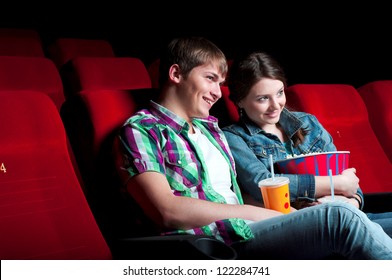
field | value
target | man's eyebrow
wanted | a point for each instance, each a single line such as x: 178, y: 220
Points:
x: 216, y: 76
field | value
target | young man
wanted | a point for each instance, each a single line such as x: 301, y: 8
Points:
x: 176, y: 164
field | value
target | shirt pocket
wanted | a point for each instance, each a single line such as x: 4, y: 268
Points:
x: 264, y: 151
x: 181, y: 168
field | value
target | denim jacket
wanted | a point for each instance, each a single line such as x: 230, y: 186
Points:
x: 251, y: 147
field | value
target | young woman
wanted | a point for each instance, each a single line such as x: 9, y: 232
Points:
x: 266, y: 127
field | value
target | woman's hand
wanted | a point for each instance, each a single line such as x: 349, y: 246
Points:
x: 328, y: 198
x: 347, y: 183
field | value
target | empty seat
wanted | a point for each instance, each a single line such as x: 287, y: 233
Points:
x: 31, y: 73
x: 377, y: 96
x: 44, y: 214
x: 343, y: 113
x: 104, y: 73
x: 63, y: 50
x: 20, y: 42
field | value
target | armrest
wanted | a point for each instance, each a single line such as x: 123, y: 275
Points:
x: 188, y: 247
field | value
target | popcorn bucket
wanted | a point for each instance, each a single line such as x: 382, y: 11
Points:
x: 316, y: 163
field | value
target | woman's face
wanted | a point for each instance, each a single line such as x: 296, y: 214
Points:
x: 265, y: 102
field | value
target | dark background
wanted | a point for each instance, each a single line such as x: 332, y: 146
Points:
x: 317, y: 42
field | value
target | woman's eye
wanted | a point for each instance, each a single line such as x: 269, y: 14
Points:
x: 263, y: 98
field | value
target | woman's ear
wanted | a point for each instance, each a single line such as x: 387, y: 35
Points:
x: 174, y: 73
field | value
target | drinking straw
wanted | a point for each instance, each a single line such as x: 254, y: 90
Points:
x: 331, y: 182
x: 272, y: 167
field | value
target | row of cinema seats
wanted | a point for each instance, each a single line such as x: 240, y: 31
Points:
x: 97, y: 96
x: 52, y: 136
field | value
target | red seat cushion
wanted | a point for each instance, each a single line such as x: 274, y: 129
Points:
x: 43, y: 211
x: 377, y: 96
x: 20, y: 42
x: 113, y: 73
x: 64, y: 49
x: 31, y: 73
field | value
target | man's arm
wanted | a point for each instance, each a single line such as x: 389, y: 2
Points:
x: 152, y: 191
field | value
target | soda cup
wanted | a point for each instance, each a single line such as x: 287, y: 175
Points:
x: 276, y: 194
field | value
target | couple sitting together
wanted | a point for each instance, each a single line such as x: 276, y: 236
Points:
x: 188, y: 175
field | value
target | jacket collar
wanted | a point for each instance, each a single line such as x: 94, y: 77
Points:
x: 289, y: 122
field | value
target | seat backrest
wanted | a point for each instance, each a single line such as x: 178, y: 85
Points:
x: 20, y: 42
x: 231, y: 107
x: 92, y: 119
x: 44, y: 213
x: 153, y: 72
x: 225, y: 109
x: 343, y: 113
x: 377, y: 96
x: 108, y: 73
x: 31, y: 73
x: 63, y: 50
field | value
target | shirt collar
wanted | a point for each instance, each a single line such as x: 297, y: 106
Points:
x: 173, y: 120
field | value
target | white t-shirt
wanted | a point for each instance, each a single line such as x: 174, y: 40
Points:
x: 217, y: 166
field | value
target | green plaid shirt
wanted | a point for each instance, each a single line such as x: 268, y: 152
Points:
x: 157, y: 140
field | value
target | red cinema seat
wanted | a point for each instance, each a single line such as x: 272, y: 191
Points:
x: 377, y: 96
x: 91, y: 119
x: 43, y: 212
x: 153, y: 71
x: 20, y: 42
x: 343, y: 113
x: 31, y: 73
x: 105, y: 73
x: 225, y: 109
x: 230, y: 106
x: 63, y: 50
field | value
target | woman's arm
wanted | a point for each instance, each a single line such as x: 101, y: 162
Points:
x: 251, y: 170
x: 345, y: 184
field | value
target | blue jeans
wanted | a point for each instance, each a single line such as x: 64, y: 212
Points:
x: 383, y: 219
x: 323, y: 231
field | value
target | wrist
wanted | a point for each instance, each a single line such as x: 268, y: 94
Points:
x: 358, y: 199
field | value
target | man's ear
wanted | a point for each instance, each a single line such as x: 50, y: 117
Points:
x: 175, y: 73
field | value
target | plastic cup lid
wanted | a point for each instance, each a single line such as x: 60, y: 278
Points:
x: 277, y: 181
